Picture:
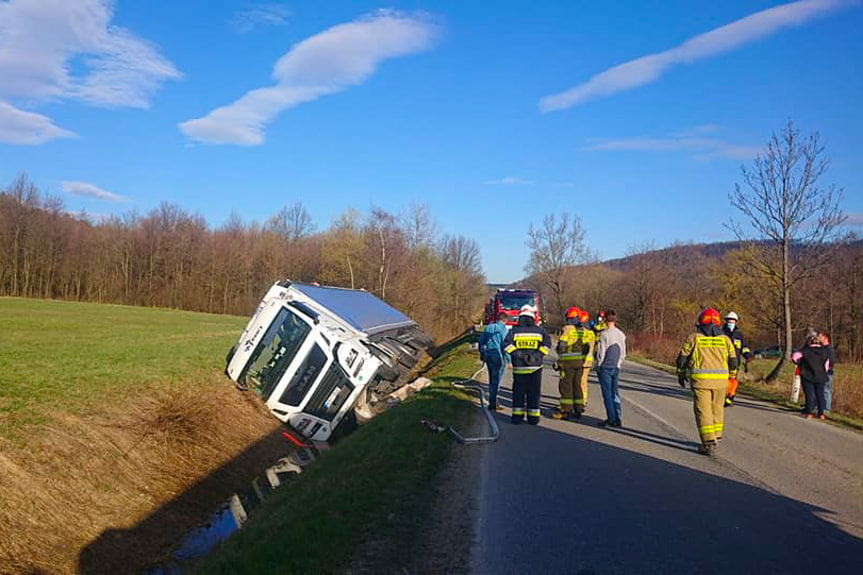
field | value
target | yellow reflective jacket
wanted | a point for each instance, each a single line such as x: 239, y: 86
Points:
x: 708, y: 359
x: 575, y: 346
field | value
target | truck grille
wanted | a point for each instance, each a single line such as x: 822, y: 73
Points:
x: 333, y: 391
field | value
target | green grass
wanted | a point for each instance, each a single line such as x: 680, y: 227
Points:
x: 365, y: 498
x: 65, y: 356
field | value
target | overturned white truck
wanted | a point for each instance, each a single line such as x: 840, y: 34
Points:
x: 314, y: 353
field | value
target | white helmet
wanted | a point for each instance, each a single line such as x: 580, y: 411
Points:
x: 731, y: 315
x: 527, y: 310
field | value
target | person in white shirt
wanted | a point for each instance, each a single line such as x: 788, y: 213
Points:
x: 610, y: 353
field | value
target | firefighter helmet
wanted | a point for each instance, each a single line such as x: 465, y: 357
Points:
x: 527, y: 310
x: 600, y: 315
x: 731, y: 315
x: 709, y: 316
x: 584, y: 317
x: 572, y: 313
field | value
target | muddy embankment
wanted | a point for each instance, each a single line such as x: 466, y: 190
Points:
x: 114, y: 491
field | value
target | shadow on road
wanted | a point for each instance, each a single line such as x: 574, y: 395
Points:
x: 561, y: 503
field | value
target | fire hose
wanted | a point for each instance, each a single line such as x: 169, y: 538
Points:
x: 470, y: 384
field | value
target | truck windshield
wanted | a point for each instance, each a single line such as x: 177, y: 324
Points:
x: 275, y: 353
x: 514, y: 302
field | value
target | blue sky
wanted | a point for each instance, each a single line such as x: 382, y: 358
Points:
x: 493, y: 114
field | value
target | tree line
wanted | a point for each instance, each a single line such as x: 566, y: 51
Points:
x: 172, y: 258
x: 794, y: 265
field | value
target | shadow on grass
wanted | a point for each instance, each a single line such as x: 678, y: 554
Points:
x: 151, y: 539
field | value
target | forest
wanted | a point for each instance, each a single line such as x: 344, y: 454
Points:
x: 172, y: 258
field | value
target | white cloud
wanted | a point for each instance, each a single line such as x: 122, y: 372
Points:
x: 88, y: 190
x: 649, y: 68
x: 40, y: 40
x: 259, y: 15
x: 855, y: 219
x: 509, y: 181
x: 690, y: 140
x: 329, y: 62
x: 26, y: 128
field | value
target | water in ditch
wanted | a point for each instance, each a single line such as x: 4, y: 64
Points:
x: 234, y: 512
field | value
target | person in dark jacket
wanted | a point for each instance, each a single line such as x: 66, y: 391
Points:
x: 813, y: 361
x: 527, y: 344
x: 831, y: 357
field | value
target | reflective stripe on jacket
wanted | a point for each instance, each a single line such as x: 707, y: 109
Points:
x: 576, y: 345
x: 527, y: 345
x: 708, y: 357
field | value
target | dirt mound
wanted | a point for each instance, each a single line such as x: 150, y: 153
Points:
x: 150, y: 467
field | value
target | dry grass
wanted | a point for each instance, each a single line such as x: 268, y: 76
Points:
x: 110, y: 467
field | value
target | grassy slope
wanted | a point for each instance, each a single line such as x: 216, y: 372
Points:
x: 64, y: 356
x: 363, y: 500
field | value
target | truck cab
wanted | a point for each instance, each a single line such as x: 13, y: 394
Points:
x: 312, y: 352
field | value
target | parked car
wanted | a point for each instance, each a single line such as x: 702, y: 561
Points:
x: 772, y: 352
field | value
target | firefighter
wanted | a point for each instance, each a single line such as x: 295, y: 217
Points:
x: 565, y: 364
x: 527, y: 344
x: 587, y: 362
x: 600, y: 323
x: 706, y: 358
x: 743, y: 353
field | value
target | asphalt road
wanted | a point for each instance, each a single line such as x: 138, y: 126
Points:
x: 784, y: 494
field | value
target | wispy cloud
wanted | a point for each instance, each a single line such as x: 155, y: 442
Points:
x: 26, y: 128
x: 326, y: 63
x: 650, y: 68
x: 88, y: 190
x: 693, y: 140
x: 259, y: 15
x: 855, y: 219
x: 90, y: 217
x: 38, y: 41
x: 509, y: 181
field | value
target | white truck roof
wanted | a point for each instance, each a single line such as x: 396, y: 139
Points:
x: 362, y: 310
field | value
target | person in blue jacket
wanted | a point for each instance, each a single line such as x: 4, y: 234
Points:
x: 491, y: 353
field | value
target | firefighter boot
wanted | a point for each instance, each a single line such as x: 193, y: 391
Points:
x: 560, y: 414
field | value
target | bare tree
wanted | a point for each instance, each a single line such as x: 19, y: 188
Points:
x: 788, y: 210
x: 555, y: 245
x: 419, y: 226
x: 293, y: 223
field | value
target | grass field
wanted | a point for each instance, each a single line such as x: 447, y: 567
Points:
x: 358, y: 507
x: 107, y: 414
x: 66, y: 357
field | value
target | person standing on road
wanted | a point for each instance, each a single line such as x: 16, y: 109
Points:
x: 527, y: 344
x: 491, y: 353
x: 610, y: 353
x: 831, y: 357
x: 814, y: 363
x: 600, y: 323
x: 743, y: 353
x: 574, y: 352
x: 706, y: 358
x: 564, y: 364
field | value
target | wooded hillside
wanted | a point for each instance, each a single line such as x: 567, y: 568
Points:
x: 172, y: 258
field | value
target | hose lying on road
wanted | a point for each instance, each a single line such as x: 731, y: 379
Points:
x: 495, y: 432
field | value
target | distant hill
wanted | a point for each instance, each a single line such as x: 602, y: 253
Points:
x: 681, y: 256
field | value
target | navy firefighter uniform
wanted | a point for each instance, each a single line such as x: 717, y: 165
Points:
x: 527, y: 344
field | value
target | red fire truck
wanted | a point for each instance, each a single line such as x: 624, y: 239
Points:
x: 506, y: 304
